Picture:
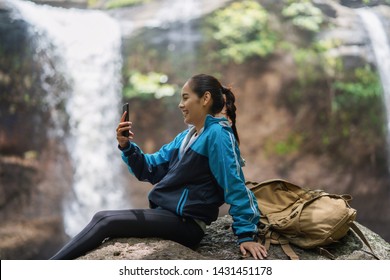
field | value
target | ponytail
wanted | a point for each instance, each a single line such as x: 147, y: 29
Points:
x: 231, y: 109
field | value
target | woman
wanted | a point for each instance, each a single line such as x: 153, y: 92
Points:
x: 192, y: 176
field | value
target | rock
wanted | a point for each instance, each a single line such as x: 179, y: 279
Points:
x: 30, y: 239
x: 351, y: 38
x: 142, y: 249
x: 64, y: 3
x: 219, y: 243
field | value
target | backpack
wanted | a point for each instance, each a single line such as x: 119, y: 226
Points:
x: 306, y: 218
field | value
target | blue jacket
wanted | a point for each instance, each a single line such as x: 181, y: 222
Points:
x: 196, y: 181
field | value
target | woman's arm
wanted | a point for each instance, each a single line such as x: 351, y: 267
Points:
x: 224, y: 157
x: 150, y: 167
x: 147, y: 167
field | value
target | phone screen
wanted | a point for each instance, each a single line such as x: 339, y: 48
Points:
x: 126, y: 109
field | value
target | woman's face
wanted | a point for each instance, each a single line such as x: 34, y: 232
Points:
x: 194, y: 109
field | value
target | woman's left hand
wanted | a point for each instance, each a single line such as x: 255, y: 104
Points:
x: 257, y: 250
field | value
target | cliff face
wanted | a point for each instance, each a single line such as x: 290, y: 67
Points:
x: 36, y: 173
x: 220, y: 244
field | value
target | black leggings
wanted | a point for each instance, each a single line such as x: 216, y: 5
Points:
x: 131, y: 223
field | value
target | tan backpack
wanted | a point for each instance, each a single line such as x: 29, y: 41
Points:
x: 303, y: 217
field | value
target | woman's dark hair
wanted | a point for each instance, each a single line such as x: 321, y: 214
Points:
x: 201, y: 83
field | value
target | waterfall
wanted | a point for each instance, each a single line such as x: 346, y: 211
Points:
x: 381, y: 49
x: 89, y: 46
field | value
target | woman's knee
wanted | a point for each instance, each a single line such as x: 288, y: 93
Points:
x: 100, y: 216
x: 191, y: 234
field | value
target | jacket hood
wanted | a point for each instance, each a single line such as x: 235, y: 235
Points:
x: 211, y: 120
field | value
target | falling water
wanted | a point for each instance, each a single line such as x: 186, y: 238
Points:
x: 381, y: 48
x: 89, y: 44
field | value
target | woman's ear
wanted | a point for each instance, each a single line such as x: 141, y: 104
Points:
x: 207, y: 98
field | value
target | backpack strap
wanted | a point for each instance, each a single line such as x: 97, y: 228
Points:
x: 357, y: 230
x: 289, y: 251
x: 267, y: 240
x: 275, y: 238
x: 323, y: 252
x: 285, y: 244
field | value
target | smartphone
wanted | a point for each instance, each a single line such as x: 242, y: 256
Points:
x: 125, y: 108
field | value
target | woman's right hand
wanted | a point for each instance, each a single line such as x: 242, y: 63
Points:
x: 123, y: 141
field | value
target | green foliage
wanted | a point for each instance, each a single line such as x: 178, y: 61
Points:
x: 356, y: 111
x: 344, y: 104
x: 288, y: 146
x: 113, y: 4
x: 284, y: 147
x: 306, y: 61
x: 375, y: 2
x: 241, y: 31
x: 364, y: 85
x: 331, y: 65
x: 304, y: 15
x: 150, y: 85
x: 92, y: 3
x: 316, y: 62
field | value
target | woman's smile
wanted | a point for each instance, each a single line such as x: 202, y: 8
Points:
x: 185, y: 113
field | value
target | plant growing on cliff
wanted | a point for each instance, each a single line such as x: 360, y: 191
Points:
x: 114, y: 4
x: 317, y: 62
x: 152, y: 84
x: 358, y: 114
x: 303, y: 14
x: 355, y: 111
x: 288, y: 146
x: 362, y: 87
x: 241, y: 31
x: 346, y: 103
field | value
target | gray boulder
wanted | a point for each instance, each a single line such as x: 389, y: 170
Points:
x: 220, y: 244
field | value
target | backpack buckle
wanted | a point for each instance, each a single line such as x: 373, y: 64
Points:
x: 262, y: 230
